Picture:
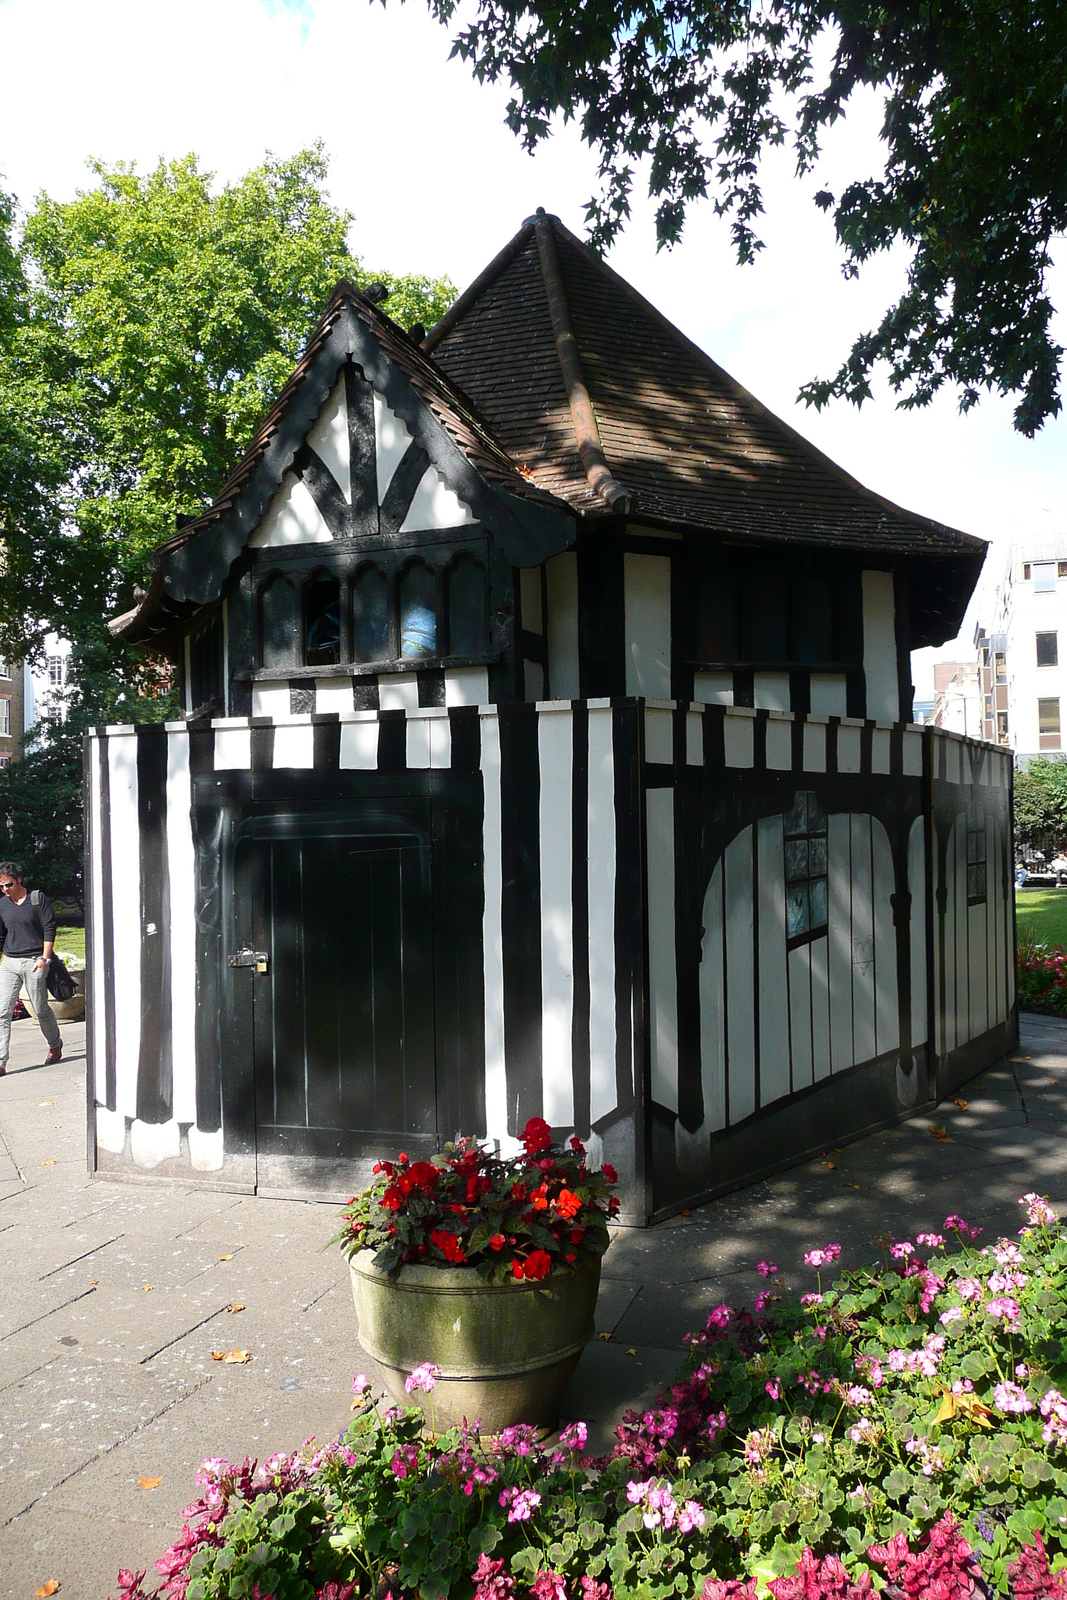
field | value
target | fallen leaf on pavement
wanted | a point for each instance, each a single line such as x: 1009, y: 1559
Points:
x: 940, y: 1134
x: 237, y: 1306
x: 149, y: 1483
x: 48, y: 1164
x: 94, y: 1281
x: 237, y: 1357
x: 832, y: 1165
x: 226, y: 1258
x: 852, y: 1186
x: 51, y: 1587
x: 631, y: 1352
x: 146, y: 1288
x: 46, y: 1102
x: 684, y: 1213
x: 961, y: 1103
x: 735, y: 1215
x: 606, y: 1337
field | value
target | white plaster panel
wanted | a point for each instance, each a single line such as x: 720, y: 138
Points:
x: 740, y: 987
x: 391, y: 440
x: 96, y: 998
x: 773, y: 978
x: 714, y: 688
x: 181, y: 865
x: 828, y: 695
x: 886, y: 1008
x: 496, y: 1087
x: 435, y: 505
x: 110, y: 1129
x: 913, y: 754
x: 848, y: 749
x: 601, y: 881
x: 814, y: 747
x: 153, y: 1142
x: 839, y: 939
x: 770, y: 691
x: 820, y: 1011
x: 271, y: 700
x: 417, y: 743
x: 863, y: 950
x: 800, y: 1059
x: 880, y: 647
x: 561, y: 575
x: 329, y: 439
x: 659, y: 737
x: 466, y: 686
x: 440, y: 741
x: 663, y: 984
x: 126, y: 907
x: 738, y: 740
x: 713, y: 1007
x: 398, y: 692
x: 333, y: 694
x: 233, y: 749
x: 555, y: 733
x: 694, y: 739
x: 205, y: 1150
x: 292, y: 518
x: 359, y: 744
x: 779, y: 744
x: 294, y: 745
x: 647, y: 600
x: 881, y: 751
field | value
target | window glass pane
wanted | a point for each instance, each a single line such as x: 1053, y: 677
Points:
x: 1048, y: 716
x: 796, y: 909
x: 796, y: 821
x: 322, y: 622
x: 817, y: 856
x: 278, y: 617
x: 813, y: 620
x: 205, y: 667
x: 766, y: 617
x: 1001, y: 668
x: 1044, y: 576
x: 467, y: 608
x: 1048, y: 654
x: 817, y: 891
x: 796, y: 859
x: 418, y: 612
x: 718, y: 618
x: 370, y: 616
x: 5, y: 717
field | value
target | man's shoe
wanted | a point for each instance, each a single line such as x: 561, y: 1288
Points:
x: 53, y: 1056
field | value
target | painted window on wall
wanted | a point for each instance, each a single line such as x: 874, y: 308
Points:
x: 805, y: 870
x: 976, y: 861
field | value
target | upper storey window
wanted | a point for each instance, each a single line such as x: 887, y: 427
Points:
x: 370, y: 616
x: 322, y: 622
x: 418, y: 612
x: 768, y: 615
x: 1044, y: 577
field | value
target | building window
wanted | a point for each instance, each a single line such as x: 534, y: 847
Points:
x: 1048, y: 724
x: 1048, y: 653
x: 1044, y: 577
x: 976, y: 861
x: 57, y: 671
x: 278, y: 623
x: 5, y: 761
x: 418, y: 612
x: 322, y: 622
x: 1001, y: 663
x: 1002, y: 727
x: 370, y: 616
x: 4, y: 672
x: 467, y: 607
x: 5, y: 719
x: 805, y: 870
x: 1061, y: 569
x: 205, y: 668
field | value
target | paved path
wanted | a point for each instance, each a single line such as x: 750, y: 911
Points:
x: 114, y: 1296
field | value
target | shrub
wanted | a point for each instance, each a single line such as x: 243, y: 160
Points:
x: 1041, y: 974
x: 904, y: 1428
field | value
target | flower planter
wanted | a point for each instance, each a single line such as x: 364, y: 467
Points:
x: 505, y: 1350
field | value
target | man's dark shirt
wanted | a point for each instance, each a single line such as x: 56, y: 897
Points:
x: 25, y: 927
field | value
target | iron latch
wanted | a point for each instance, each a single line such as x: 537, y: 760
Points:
x: 250, y: 958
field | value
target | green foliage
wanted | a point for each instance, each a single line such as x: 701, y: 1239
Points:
x: 1040, y: 973
x: 1041, y: 798
x: 974, y: 128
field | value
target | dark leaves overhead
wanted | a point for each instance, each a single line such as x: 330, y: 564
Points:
x: 975, y: 137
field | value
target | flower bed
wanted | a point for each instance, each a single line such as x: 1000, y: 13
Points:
x: 904, y: 1427
x: 1041, y: 976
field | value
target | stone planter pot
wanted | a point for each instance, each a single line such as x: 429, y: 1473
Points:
x: 505, y: 1350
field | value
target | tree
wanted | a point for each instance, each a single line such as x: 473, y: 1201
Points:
x: 1041, y: 801
x: 975, y: 139
x: 159, y: 319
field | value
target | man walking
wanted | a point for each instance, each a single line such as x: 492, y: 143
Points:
x: 27, y: 935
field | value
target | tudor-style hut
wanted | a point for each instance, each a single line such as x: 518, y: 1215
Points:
x: 547, y: 750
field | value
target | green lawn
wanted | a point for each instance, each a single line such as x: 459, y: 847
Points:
x: 1043, y: 913
x: 71, y: 940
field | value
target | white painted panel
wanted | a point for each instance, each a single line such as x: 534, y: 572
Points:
x: 417, y: 743
x: 886, y: 997
x: 440, y: 741
x: 800, y: 1014
x: 271, y: 700
x: 948, y: 964
x: 740, y: 985
x: 398, y: 691
x: 712, y: 1007
x: 663, y: 980
x: 880, y: 647
x: 294, y: 746
x: 153, y: 1142
x: 496, y: 1087
x: 773, y: 986
x: 435, y: 505
x: 828, y: 694
x: 881, y: 751
x: 292, y: 518
x: 466, y: 686
x: 181, y: 865
x: 771, y: 691
x: 814, y: 747
x: 917, y: 890
x: 659, y: 737
x: 359, y: 744
x: 714, y: 688
x: 779, y: 744
x: 126, y: 907
x: 533, y: 681
x: 391, y: 440
x: 561, y: 575
x: 329, y: 439
x: 531, y: 609
x: 110, y: 1130
x: 863, y: 1035
x: 205, y: 1150
x: 233, y: 749
x: 962, y: 953
x: 839, y: 935
x: 953, y: 764
x: 333, y: 694
x: 601, y: 869
x: 738, y: 739
x: 647, y: 596
x: 694, y: 739
x: 555, y: 735
x: 96, y: 1012
x: 1000, y: 920
x: 848, y: 749
x: 820, y: 1010
x: 978, y: 954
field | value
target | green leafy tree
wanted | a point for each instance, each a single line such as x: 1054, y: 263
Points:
x: 1041, y: 800
x: 974, y: 132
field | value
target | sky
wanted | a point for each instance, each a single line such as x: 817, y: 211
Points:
x: 420, y: 155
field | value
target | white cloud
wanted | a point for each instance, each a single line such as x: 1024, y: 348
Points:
x: 420, y: 156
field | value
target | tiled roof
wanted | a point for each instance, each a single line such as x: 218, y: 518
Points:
x: 693, y: 447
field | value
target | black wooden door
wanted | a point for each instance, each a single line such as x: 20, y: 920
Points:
x: 343, y: 1016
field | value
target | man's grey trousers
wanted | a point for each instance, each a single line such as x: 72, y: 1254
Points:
x: 14, y: 972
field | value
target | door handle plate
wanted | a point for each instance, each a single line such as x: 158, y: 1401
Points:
x: 259, y: 959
